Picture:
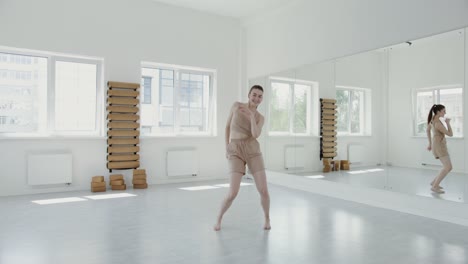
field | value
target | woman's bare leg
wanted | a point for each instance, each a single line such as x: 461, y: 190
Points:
x: 445, y: 170
x: 262, y: 187
x: 234, y: 185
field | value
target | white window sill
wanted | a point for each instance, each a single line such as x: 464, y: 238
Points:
x: 176, y: 136
x: 447, y: 137
x: 353, y: 136
x: 50, y: 137
x: 286, y: 136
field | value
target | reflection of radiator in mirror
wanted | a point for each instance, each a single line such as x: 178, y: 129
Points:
x: 294, y: 157
x: 356, y: 153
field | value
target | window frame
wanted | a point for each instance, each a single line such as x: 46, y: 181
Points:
x: 365, y: 115
x: 436, y: 100
x: 210, y: 114
x: 49, y: 126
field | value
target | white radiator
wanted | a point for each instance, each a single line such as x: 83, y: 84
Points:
x: 356, y: 153
x: 182, y: 162
x: 49, y: 168
x: 294, y: 157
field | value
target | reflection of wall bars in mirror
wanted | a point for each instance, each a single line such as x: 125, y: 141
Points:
x: 328, y: 128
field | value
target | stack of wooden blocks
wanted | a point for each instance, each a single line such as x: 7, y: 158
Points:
x: 328, y: 132
x: 123, y: 126
x: 117, y: 182
x: 345, y: 164
x: 139, y: 179
x: 98, y: 184
x: 327, y: 166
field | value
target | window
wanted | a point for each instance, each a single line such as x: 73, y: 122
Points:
x: 182, y: 100
x: 146, y: 87
x: 450, y: 97
x: 46, y: 94
x: 354, y: 108
x: 290, y: 107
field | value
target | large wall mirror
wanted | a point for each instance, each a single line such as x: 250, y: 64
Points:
x: 383, y: 98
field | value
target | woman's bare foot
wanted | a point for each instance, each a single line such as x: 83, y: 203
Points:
x: 437, y: 190
x: 217, y: 227
x: 267, y: 225
x: 432, y: 184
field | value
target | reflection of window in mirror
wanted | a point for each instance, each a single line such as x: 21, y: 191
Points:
x: 451, y: 96
x: 291, y: 110
x: 354, y: 111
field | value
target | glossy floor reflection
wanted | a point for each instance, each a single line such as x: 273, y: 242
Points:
x: 165, y: 224
x: 399, y: 179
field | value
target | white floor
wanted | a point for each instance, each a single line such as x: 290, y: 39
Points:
x: 402, y: 180
x: 165, y: 224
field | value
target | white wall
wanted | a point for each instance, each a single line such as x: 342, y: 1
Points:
x: 312, y: 31
x: 124, y: 33
x: 431, y: 62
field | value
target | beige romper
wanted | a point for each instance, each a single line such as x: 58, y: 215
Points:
x: 439, y: 143
x: 244, y: 151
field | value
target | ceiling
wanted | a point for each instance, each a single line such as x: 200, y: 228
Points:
x: 232, y: 8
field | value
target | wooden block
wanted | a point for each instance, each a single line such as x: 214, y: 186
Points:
x: 329, y: 117
x: 329, y: 112
x: 123, y: 125
x: 98, y: 184
x: 329, y: 128
x: 140, y: 186
x: 117, y: 157
x: 326, y: 162
x: 326, y: 168
x: 98, y: 189
x: 123, y: 109
x: 123, y: 149
x: 344, y: 162
x: 322, y: 100
x: 329, y: 106
x: 117, y: 182
x: 345, y: 167
x: 114, y: 177
x: 97, y: 179
x: 122, y: 101
x: 139, y: 171
x: 329, y: 122
x: 123, y: 141
x: 329, y: 133
x: 123, y: 117
x: 336, y: 165
x: 123, y: 165
x: 328, y: 150
x: 328, y: 144
x: 123, y: 133
x: 139, y: 177
x: 119, y: 187
x: 123, y: 85
x: 328, y: 139
x: 329, y: 155
x: 122, y: 93
x: 138, y: 182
